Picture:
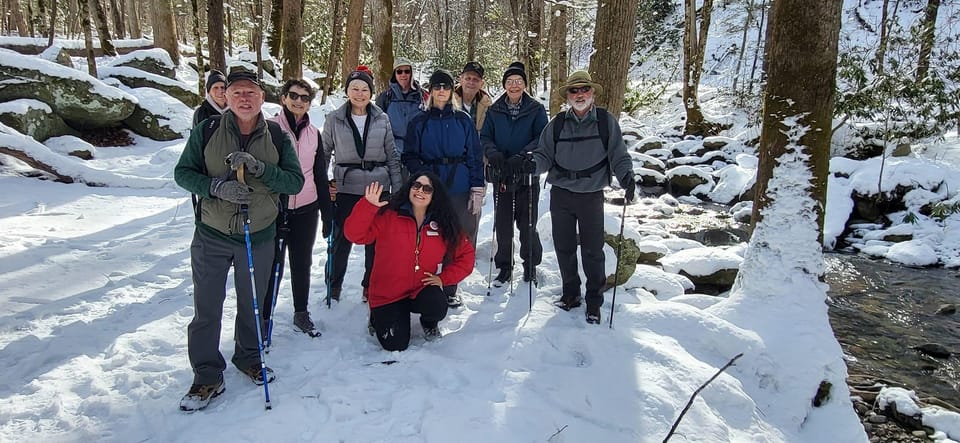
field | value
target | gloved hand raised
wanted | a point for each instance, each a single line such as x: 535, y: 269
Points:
x: 476, y: 199
x: 629, y: 185
x: 231, y: 191
x: 249, y: 162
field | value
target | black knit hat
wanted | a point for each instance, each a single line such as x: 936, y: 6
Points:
x: 515, y: 68
x: 475, y: 67
x: 215, y: 77
x: 359, y: 75
x: 441, y: 77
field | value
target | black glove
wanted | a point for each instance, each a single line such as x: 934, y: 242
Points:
x: 515, y: 164
x: 629, y: 185
x: 495, y: 159
x: 327, y: 227
x: 249, y: 162
x: 529, y: 165
x: 231, y: 191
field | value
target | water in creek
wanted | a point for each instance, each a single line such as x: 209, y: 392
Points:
x: 880, y: 310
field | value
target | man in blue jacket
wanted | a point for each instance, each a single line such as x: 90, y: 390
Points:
x: 512, y: 128
x: 401, y: 101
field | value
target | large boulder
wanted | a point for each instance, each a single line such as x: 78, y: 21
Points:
x: 159, y: 116
x: 58, y: 55
x: 81, y: 100
x: 710, y: 269
x: 34, y: 118
x: 687, y: 180
x: 155, y: 61
x: 135, y: 78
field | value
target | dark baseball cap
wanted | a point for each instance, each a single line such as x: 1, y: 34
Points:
x: 236, y: 76
x: 473, y: 67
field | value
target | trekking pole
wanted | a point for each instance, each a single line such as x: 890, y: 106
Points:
x: 256, y: 307
x: 493, y: 230
x: 277, y: 276
x: 533, y: 269
x: 330, y: 237
x: 616, y: 271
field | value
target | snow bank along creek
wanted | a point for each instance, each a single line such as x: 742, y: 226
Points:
x: 880, y: 311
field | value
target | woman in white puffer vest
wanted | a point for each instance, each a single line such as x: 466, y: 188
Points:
x: 359, y: 139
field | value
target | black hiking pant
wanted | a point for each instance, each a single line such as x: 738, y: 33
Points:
x: 514, y: 207
x: 342, y: 246
x: 300, y: 236
x: 392, y: 321
x: 572, y: 212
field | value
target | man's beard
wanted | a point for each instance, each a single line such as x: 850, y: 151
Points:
x: 580, y: 107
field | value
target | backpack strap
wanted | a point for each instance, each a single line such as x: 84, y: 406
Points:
x: 276, y: 136
x: 210, y: 126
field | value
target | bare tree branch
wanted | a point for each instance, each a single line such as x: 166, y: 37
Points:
x: 690, y: 402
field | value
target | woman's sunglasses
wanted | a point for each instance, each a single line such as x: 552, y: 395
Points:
x: 306, y: 98
x: 404, y: 71
x: 426, y: 189
x: 440, y: 86
x: 578, y: 90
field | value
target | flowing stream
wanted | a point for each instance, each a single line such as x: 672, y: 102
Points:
x: 879, y: 311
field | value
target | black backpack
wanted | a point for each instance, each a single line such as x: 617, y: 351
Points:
x: 603, y: 125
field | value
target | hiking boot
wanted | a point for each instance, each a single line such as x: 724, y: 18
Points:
x: 335, y: 294
x: 593, y: 314
x: 200, y: 395
x: 366, y: 293
x: 454, y: 300
x: 257, y: 376
x: 370, y: 329
x: 301, y: 320
x: 432, y: 333
x: 567, y: 303
x: 503, y: 277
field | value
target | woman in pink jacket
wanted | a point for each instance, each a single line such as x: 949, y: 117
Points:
x: 307, y: 207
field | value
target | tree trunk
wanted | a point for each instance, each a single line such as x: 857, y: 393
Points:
x: 332, y: 56
x: 88, y: 37
x: 351, y: 51
x: 926, y: 39
x: 558, y: 54
x: 215, y: 35
x: 198, y: 43
x: 53, y: 22
x: 756, y: 51
x: 534, y: 25
x: 743, y: 44
x: 610, y: 60
x: 230, y: 11
x: 292, y: 31
x: 472, y: 29
x: 103, y: 32
x: 382, y: 42
x: 801, y: 68
x: 882, y: 46
x: 164, y: 29
x: 16, y: 16
x: 117, y: 15
x: 133, y: 18
x: 275, y: 37
x: 694, y: 42
x: 257, y: 37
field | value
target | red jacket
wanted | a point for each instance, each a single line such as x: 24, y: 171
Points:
x: 394, y: 277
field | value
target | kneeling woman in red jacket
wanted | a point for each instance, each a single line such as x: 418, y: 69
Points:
x: 420, y: 248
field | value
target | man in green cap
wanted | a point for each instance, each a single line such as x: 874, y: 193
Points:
x: 580, y: 158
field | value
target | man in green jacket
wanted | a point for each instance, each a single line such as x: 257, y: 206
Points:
x: 210, y: 167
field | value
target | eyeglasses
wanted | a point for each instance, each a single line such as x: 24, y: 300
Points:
x: 306, y: 98
x: 578, y: 90
x: 514, y: 81
x: 424, y: 188
x: 404, y: 71
x: 440, y: 86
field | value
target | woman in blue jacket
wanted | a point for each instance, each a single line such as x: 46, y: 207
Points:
x: 444, y: 140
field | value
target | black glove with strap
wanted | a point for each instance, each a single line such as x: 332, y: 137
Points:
x: 495, y: 159
x: 529, y: 165
x: 629, y: 185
